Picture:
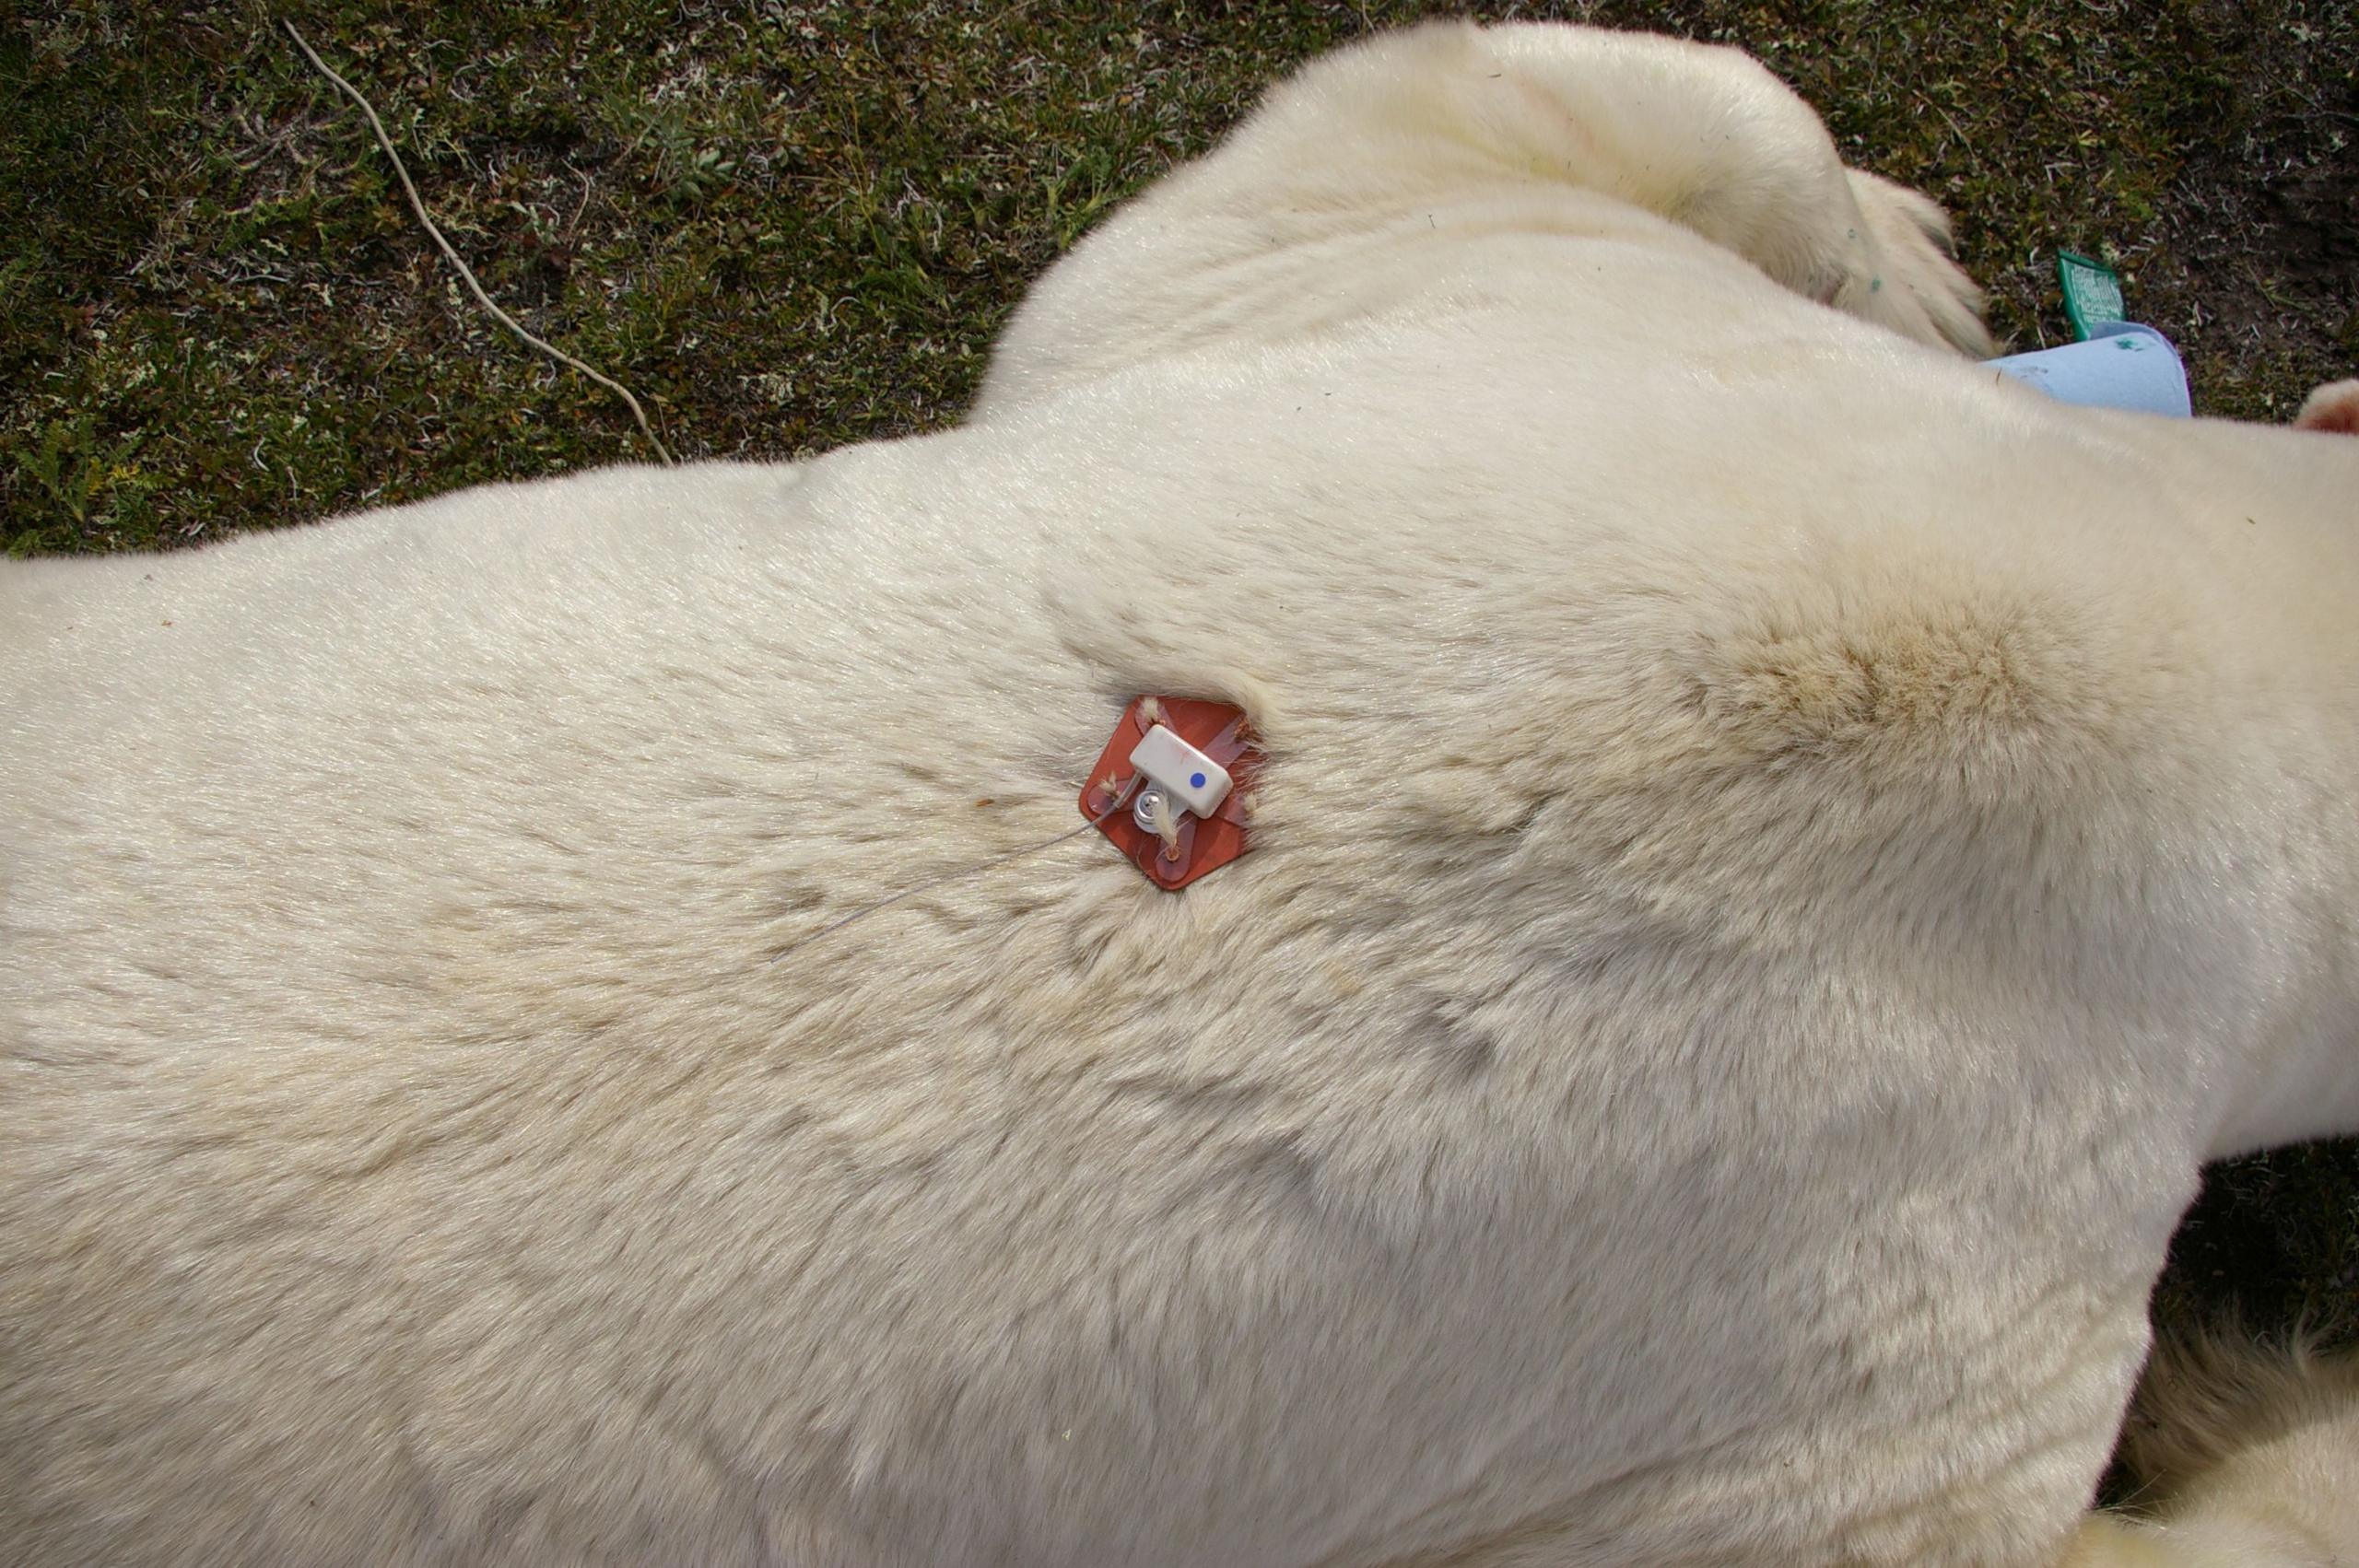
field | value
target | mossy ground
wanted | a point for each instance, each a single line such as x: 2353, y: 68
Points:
x: 789, y: 227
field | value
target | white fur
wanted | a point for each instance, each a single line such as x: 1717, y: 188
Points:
x: 1779, y: 855
x: 2242, y: 1457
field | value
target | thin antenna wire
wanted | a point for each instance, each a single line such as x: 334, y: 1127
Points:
x: 1120, y: 796
x: 418, y: 207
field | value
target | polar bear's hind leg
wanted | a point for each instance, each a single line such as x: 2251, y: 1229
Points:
x: 2245, y: 1456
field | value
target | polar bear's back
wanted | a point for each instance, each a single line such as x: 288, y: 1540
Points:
x: 1695, y: 791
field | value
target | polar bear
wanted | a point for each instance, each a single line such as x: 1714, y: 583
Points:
x: 1777, y: 856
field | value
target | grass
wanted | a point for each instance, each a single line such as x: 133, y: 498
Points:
x: 792, y: 226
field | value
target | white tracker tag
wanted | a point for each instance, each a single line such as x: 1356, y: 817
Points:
x: 1190, y: 776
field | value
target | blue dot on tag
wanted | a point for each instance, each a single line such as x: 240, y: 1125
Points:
x: 1195, y: 781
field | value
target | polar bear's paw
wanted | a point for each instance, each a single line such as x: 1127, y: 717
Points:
x: 1912, y: 281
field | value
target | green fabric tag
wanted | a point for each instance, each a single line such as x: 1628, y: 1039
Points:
x: 2091, y: 293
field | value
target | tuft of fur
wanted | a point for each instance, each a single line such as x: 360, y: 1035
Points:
x: 1935, y: 301
x: 2332, y: 407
